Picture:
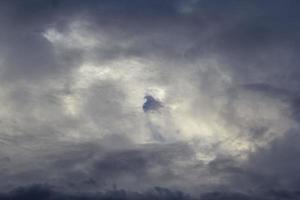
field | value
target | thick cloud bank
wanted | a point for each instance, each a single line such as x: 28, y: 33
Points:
x: 149, y: 98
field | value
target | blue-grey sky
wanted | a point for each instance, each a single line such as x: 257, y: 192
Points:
x: 149, y: 99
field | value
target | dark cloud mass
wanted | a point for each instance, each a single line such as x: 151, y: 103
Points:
x: 149, y: 99
x: 151, y: 104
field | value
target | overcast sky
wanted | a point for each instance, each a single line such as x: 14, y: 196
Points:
x: 150, y: 99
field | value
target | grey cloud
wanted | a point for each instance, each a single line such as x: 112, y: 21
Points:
x: 142, y: 165
x: 96, y: 166
x: 281, y: 155
x: 270, y: 173
x: 47, y: 192
x: 151, y: 104
x: 228, y: 65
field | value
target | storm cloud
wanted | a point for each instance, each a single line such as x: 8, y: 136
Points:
x: 140, y: 99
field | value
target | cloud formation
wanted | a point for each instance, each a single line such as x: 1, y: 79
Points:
x: 220, y: 81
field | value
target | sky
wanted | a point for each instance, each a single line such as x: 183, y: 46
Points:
x: 149, y: 99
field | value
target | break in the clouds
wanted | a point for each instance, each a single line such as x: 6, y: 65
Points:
x: 140, y: 99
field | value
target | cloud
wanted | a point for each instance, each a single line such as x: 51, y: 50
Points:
x: 46, y: 192
x: 151, y: 104
x: 222, y: 77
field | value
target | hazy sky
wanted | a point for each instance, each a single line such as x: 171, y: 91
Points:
x: 150, y: 99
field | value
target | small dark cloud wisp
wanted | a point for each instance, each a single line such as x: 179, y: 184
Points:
x: 151, y: 104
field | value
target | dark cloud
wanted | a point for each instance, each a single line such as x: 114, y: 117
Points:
x: 151, y: 104
x: 269, y: 173
x: 141, y: 165
x: 224, y: 77
x: 281, y: 155
x: 45, y: 192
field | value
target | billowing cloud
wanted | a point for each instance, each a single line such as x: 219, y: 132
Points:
x: 192, y: 96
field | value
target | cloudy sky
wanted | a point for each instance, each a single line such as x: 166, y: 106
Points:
x: 149, y: 99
